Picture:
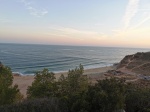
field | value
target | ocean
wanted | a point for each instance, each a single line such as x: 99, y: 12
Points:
x: 28, y: 59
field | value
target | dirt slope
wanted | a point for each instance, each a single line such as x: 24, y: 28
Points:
x: 138, y: 63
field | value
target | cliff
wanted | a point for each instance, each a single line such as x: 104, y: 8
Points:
x: 138, y: 63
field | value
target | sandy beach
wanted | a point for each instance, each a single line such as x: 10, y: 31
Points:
x: 24, y: 81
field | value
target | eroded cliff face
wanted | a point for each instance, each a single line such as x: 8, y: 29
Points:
x: 138, y: 63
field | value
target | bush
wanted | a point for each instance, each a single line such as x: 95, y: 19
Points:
x: 36, y: 105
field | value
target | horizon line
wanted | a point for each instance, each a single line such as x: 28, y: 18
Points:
x: 74, y: 45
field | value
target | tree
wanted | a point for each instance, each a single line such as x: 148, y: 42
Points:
x: 69, y: 89
x: 76, y: 81
x: 8, y: 93
x: 44, y: 85
x: 106, y: 96
x: 137, y: 99
x: 73, y: 88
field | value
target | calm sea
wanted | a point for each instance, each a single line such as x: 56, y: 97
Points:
x: 27, y: 59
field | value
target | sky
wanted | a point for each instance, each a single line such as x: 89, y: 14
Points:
x: 109, y: 23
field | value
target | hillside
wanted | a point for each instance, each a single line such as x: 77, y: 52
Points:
x: 138, y: 63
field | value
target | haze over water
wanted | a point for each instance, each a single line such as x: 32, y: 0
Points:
x: 27, y: 59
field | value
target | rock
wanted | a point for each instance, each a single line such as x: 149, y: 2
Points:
x: 114, y: 72
x: 115, y: 64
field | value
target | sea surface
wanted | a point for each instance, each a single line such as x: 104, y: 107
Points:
x: 27, y: 59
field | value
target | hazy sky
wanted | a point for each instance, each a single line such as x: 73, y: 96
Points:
x: 124, y: 23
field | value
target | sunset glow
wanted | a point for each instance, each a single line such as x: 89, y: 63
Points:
x: 116, y: 23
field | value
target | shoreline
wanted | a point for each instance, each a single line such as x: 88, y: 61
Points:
x: 23, y: 81
x: 65, y: 71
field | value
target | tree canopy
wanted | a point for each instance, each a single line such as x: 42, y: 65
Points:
x: 8, y: 93
x: 74, y: 93
x: 44, y: 85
